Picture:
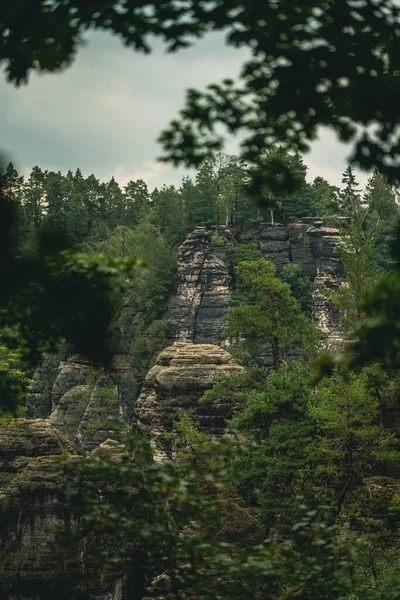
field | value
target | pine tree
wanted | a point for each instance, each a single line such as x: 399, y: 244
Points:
x: 57, y: 205
x: 271, y: 315
x: 34, y: 196
x: 137, y: 201
x: 383, y: 213
x: 350, y: 196
x: 356, y: 253
x: 380, y: 197
x: 350, y: 441
x: 278, y: 184
x: 168, y: 213
x: 11, y: 183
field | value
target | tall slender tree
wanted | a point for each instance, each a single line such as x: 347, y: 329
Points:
x: 350, y: 196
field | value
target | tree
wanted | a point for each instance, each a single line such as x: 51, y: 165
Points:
x: 34, y: 195
x: 207, y: 192
x: 277, y: 181
x: 137, y: 201
x: 356, y: 253
x: 54, y: 295
x: 350, y: 196
x: 350, y: 441
x: 325, y: 197
x: 278, y: 428
x: 270, y: 316
x: 300, y: 286
x: 14, y: 384
x: 56, y: 202
x: 11, y: 183
x: 383, y: 213
x: 168, y: 213
x: 380, y: 197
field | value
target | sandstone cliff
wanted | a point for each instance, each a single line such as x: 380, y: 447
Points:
x: 205, y: 275
x: 81, y: 402
x: 181, y: 375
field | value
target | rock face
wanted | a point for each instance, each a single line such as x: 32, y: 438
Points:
x: 367, y: 507
x: 205, y: 276
x: 81, y: 401
x: 32, y: 501
x: 34, y: 508
x: 202, y: 299
x: 181, y: 375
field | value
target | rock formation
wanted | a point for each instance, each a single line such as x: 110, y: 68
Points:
x: 36, y: 513
x: 205, y: 276
x: 204, y: 279
x: 80, y: 401
x: 182, y: 373
x: 32, y: 500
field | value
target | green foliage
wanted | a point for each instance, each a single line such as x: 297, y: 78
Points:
x: 350, y: 442
x: 356, y: 252
x: 297, y: 68
x: 300, y: 285
x: 383, y: 213
x: 378, y: 337
x: 243, y: 253
x: 270, y: 316
x: 219, y: 240
x: 14, y: 384
x: 276, y: 177
x: 350, y: 197
x: 275, y: 420
x: 157, y: 520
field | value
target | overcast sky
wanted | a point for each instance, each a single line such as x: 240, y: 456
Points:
x: 105, y: 112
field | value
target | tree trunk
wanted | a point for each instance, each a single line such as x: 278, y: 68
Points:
x: 275, y: 352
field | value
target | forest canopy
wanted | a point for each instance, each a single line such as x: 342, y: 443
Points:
x: 301, y: 498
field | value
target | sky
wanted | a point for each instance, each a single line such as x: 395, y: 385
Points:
x: 104, y: 113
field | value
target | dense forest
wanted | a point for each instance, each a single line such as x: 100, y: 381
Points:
x: 295, y: 493
x: 301, y: 500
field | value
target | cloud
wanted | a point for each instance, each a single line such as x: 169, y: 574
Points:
x: 105, y: 112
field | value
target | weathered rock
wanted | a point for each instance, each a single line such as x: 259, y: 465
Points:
x: 301, y: 252
x: 82, y: 412
x: 196, y: 313
x: 21, y: 440
x: 36, y: 513
x: 74, y: 372
x: 202, y: 298
x: 274, y: 244
x: 68, y: 413
x: 181, y: 375
x: 367, y: 506
x: 32, y: 501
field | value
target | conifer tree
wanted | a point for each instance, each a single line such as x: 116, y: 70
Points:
x: 350, y: 196
x: 271, y: 314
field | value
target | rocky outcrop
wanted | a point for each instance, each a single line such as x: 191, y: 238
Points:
x: 196, y: 314
x: 38, y: 546
x: 374, y: 505
x: 202, y: 299
x: 32, y: 501
x: 329, y: 275
x: 205, y: 276
x: 82, y: 402
x: 181, y: 375
x: 274, y: 244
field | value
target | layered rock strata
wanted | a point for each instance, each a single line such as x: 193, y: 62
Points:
x: 202, y: 299
x: 181, y: 375
x: 205, y: 276
x: 39, y: 549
